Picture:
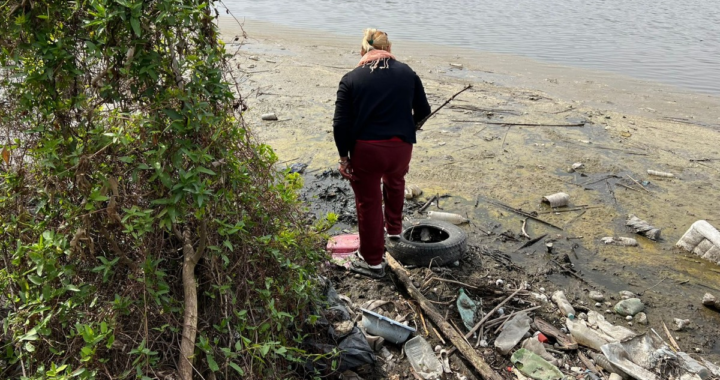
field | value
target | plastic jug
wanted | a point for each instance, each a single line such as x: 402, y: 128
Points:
x: 422, y: 358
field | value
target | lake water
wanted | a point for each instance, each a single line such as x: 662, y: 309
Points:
x: 668, y: 41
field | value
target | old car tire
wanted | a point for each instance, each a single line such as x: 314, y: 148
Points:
x: 419, y: 253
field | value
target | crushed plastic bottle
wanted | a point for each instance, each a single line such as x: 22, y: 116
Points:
x: 513, y: 332
x: 423, y: 359
x: 585, y: 335
x: 565, y: 307
x: 467, y: 309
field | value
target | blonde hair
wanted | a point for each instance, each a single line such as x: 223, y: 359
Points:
x: 375, y: 39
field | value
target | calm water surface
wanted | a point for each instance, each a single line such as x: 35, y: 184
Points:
x: 669, y: 41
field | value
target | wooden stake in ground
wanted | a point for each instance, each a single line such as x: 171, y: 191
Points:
x: 486, y: 372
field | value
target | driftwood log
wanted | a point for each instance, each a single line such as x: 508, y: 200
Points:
x: 486, y: 372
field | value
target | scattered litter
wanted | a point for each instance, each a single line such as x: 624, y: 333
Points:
x: 447, y: 217
x: 269, y: 116
x: 422, y: 359
x: 642, y: 227
x: 711, y: 301
x: 630, y: 306
x: 563, y: 341
x: 618, y: 333
x: 703, y: 240
x: 456, y: 65
x: 513, y: 332
x: 622, y: 241
x: 391, y: 330
x: 253, y: 58
x: 535, y: 366
x: 535, y: 345
x: 467, y: 309
x: 557, y: 199
x: 660, y: 174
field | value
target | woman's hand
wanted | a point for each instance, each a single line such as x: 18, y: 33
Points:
x: 345, y: 168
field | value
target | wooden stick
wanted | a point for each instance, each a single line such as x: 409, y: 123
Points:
x: 458, y: 331
x: 523, y: 213
x: 427, y: 333
x: 637, y: 183
x: 419, y: 125
x: 455, y: 282
x: 627, y: 187
x: 524, y: 233
x: 427, y: 204
x: 487, y: 372
x: 534, y: 125
x: 598, y: 180
x: 579, y: 208
x: 672, y: 340
x: 487, y: 316
x: 439, y: 336
x: 531, y: 242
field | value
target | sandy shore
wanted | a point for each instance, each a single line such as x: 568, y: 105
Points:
x: 465, y: 151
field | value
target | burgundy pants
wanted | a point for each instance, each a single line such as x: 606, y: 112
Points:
x: 374, y: 163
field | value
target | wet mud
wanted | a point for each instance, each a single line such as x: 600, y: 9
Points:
x: 478, y: 153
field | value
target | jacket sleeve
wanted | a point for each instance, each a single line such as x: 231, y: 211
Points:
x: 343, y: 118
x: 421, y: 108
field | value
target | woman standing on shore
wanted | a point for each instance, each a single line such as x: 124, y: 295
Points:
x: 378, y: 106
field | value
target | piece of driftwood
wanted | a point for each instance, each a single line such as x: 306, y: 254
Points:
x: 520, y: 212
x: 486, y: 372
x: 420, y: 124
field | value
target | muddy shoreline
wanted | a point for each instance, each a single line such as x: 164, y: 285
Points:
x: 474, y: 152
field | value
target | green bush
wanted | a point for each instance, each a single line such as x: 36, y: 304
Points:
x: 125, y: 159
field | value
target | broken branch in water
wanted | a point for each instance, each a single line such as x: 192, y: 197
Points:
x: 419, y: 125
x: 520, y: 212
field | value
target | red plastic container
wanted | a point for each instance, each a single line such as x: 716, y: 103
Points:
x: 342, y: 247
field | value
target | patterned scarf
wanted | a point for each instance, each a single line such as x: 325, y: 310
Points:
x: 374, y: 57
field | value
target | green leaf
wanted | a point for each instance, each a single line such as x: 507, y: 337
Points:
x: 172, y: 114
x: 97, y: 197
x: 37, y: 280
x: 212, y: 364
x: 72, y: 288
x: 264, y: 350
x: 135, y: 25
x: 237, y: 368
x: 205, y: 170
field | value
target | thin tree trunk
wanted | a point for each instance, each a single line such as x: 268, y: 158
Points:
x: 190, y: 317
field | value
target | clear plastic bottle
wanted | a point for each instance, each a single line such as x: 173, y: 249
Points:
x: 422, y: 358
x: 513, y: 332
x: 565, y: 307
x: 447, y: 217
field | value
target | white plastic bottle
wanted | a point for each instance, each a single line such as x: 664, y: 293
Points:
x: 584, y: 335
x: 565, y: 307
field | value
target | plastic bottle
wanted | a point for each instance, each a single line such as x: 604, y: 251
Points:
x: 585, y: 335
x: 660, y: 174
x: 447, y: 217
x: 422, y: 358
x: 565, y: 307
x: 512, y: 333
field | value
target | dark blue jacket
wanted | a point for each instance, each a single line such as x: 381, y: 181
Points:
x: 378, y: 105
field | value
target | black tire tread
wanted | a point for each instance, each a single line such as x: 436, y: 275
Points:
x: 421, y: 254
